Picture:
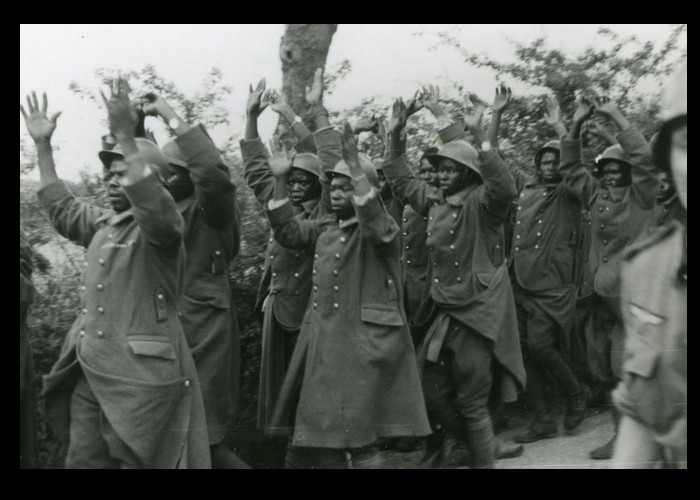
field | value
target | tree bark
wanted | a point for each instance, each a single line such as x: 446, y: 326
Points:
x: 304, y: 47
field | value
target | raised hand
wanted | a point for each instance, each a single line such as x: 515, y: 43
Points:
x: 314, y: 92
x: 280, y: 160
x: 276, y: 100
x: 366, y: 125
x: 153, y: 104
x: 415, y: 103
x: 399, y: 116
x: 473, y: 119
x: 430, y: 97
x: 39, y: 125
x: 584, y: 109
x: 551, y: 114
x: 605, y: 107
x: 502, y: 98
x: 255, y: 106
x: 382, y: 129
x: 350, y: 153
x: 599, y: 127
x: 122, y: 114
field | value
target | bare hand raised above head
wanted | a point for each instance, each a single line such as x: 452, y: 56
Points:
x: 502, y: 98
x: 349, y: 144
x: 551, y: 114
x: 584, y: 109
x: 430, y: 96
x: 473, y: 120
x: 415, y: 103
x: 120, y: 110
x: 153, y: 104
x: 255, y: 106
x: 399, y: 116
x: 314, y: 92
x: 280, y: 160
x: 276, y: 100
x: 39, y: 125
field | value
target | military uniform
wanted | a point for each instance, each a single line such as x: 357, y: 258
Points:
x: 207, y: 314
x: 414, y: 260
x: 654, y: 388
x: 353, y: 377
x: 469, y: 303
x: 285, y: 287
x: 124, y: 391
x: 27, y: 400
x: 618, y: 216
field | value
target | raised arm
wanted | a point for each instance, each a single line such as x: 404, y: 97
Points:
x: 632, y: 142
x: 599, y: 127
x: 278, y: 104
x: 327, y: 140
x: 152, y: 206
x: 552, y: 117
x: 72, y: 219
x: 404, y: 184
x: 214, y: 190
x: 576, y: 178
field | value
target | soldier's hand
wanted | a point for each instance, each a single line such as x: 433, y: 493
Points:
x: 153, y: 104
x: 280, y: 160
x: 122, y: 114
x: 605, y: 107
x: 415, y: 103
x: 473, y: 120
x: 399, y: 117
x: 584, y: 109
x: 255, y: 106
x: 314, y: 92
x: 276, y: 100
x: 366, y: 125
x: 39, y: 125
x: 551, y: 114
x: 502, y: 98
x: 430, y: 97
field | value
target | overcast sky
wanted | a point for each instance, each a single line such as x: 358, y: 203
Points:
x: 387, y: 61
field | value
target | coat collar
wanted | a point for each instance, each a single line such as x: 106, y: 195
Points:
x: 112, y: 218
x: 457, y: 199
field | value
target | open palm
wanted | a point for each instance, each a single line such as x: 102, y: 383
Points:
x: 39, y: 125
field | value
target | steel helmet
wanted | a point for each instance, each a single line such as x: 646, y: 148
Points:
x: 370, y: 171
x: 459, y: 151
x: 674, y: 106
x: 308, y: 163
x: 554, y: 145
x: 613, y: 153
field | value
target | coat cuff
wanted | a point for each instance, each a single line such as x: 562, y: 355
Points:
x: 193, y: 142
x: 631, y: 140
x: 53, y: 193
x: 327, y: 138
x: 281, y: 214
x: 363, y: 200
x: 306, y: 145
x: 371, y: 209
x: 570, y: 150
x: 251, y: 148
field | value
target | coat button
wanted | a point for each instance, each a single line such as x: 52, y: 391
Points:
x: 335, y: 272
x: 517, y: 249
x: 405, y: 233
x: 101, y: 310
x: 539, y: 221
x: 408, y: 262
x: 187, y: 383
x: 82, y: 333
x: 605, y: 259
x: 425, y: 218
x: 315, y: 271
x: 315, y: 256
x: 602, y: 226
x: 343, y: 239
x: 459, y: 279
x: 435, y: 264
x: 272, y: 256
x: 498, y: 246
x: 296, y: 275
x: 84, y: 311
x: 605, y: 242
x: 452, y: 247
x: 315, y: 288
x: 336, y: 288
x: 536, y: 247
x: 430, y: 218
x: 336, y: 305
x: 179, y: 314
x: 100, y: 333
x: 429, y: 233
x: 452, y: 231
x: 101, y: 262
x: 456, y: 264
x: 539, y: 234
x: 160, y: 296
x: 271, y: 239
x: 517, y: 236
x: 600, y: 209
x: 217, y: 253
x: 408, y: 247
x: 82, y: 288
x: 405, y: 219
x: 274, y: 275
x: 390, y: 281
x: 337, y: 256
x: 520, y: 208
x: 100, y: 286
x: 315, y: 305
x: 605, y: 196
x: 454, y: 215
x: 519, y: 222
x: 436, y: 280
x: 110, y: 236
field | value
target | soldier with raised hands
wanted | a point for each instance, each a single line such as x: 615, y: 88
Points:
x: 353, y: 378
x: 124, y: 392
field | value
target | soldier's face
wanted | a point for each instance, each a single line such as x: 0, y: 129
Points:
x: 613, y: 174
x: 451, y: 176
x: 113, y: 178
x: 301, y: 186
x: 665, y: 187
x: 679, y: 162
x: 341, y: 195
x: 549, y: 167
x: 428, y: 173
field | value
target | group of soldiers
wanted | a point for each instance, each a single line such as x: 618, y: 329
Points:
x: 398, y: 304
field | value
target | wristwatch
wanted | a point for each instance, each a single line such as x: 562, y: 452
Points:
x: 486, y: 146
x: 173, y: 123
x: 297, y: 119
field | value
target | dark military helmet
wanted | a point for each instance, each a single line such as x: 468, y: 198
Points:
x: 554, y: 146
x: 613, y: 153
x: 308, y: 163
x: 458, y: 151
x: 368, y: 168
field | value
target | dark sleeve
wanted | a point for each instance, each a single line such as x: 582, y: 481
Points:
x: 499, y: 186
x: 257, y: 171
x: 576, y: 178
x: 644, y: 181
x: 406, y: 186
x: 520, y: 177
x: 375, y: 222
x: 294, y: 232
x: 214, y: 190
x: 73, y: 219
x: 454, y: 132
x: 155, y: 212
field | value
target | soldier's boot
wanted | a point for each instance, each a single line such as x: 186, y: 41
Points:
x: 223, y: 458
x: 508, y: 449
x: 605, y: 452
x: 481, y: 441
x: 543, y: 427
x: 576, y: 406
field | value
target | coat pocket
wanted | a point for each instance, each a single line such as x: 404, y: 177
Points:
x: 153, y: 347
x: 380, y: 335
x: 381, y: 315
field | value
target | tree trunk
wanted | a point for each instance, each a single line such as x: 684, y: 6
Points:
x: 304, y: 47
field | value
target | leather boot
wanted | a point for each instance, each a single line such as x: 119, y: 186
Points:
x: 480, y: 439
x: 539, y: 429
x: 576, y: 406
